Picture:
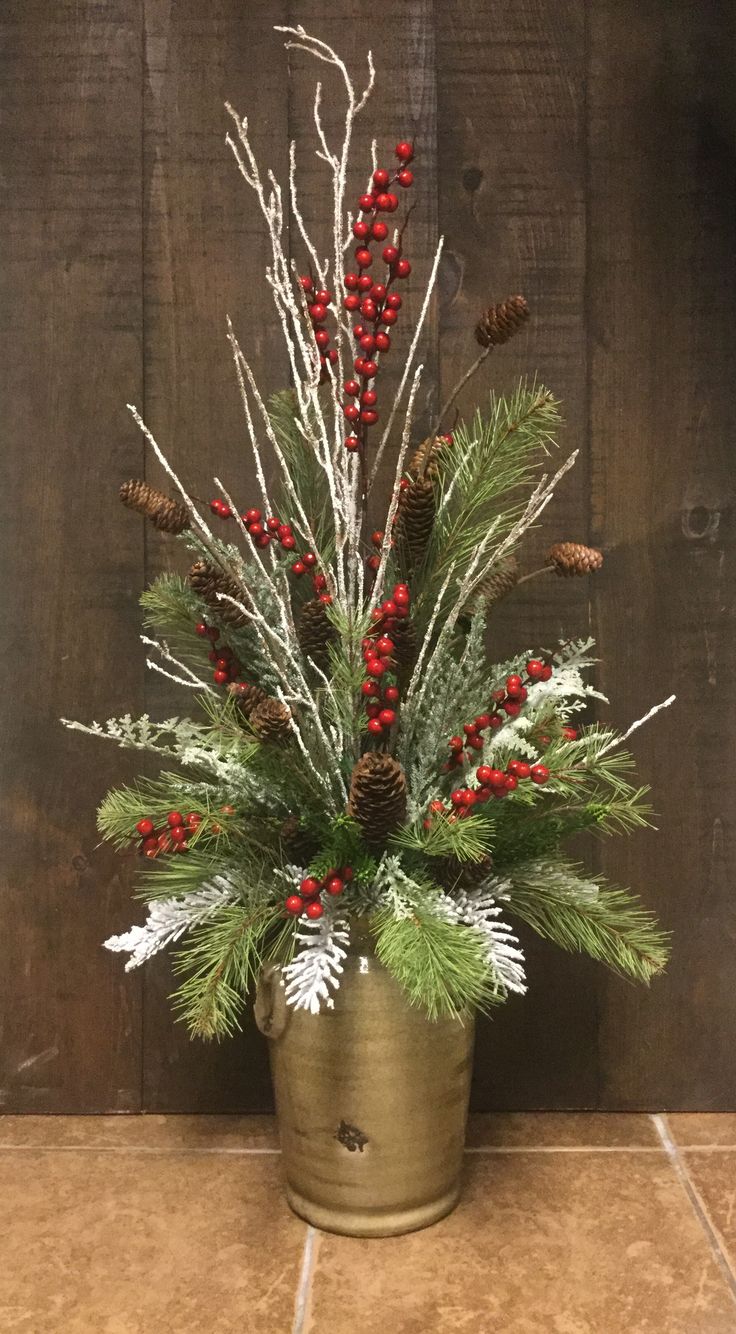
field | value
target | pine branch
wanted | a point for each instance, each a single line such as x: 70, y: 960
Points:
x: 219, y: 964
x: 584, y: 915
x: 466, y: 840
x: 442, y: 966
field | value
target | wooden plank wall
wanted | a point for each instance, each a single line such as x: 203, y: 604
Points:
x: 579, y: 150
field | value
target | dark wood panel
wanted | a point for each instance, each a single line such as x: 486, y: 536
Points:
x: 71, y: 354
x: 663, y: 316
x: 206, y: 251
x: 511, y: 115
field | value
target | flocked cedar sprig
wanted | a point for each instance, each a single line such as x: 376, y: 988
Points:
x: 351, y: 751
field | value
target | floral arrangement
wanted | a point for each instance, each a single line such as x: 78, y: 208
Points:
x: 352, y: 752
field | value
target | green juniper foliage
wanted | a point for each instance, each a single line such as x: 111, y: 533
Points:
x: 347, y: 750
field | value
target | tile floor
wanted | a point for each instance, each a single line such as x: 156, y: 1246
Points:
x: 570, y: 1224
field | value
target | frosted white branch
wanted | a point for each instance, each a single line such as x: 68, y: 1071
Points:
x: 639, y: 723
x: 318, y: 963
x: 169, y: 919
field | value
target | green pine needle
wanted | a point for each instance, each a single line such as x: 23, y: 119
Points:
x: 442, y: 967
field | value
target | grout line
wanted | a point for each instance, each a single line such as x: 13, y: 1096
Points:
x: 304, y: 1287
x: 696, y: 1202
x: 470, y: 1149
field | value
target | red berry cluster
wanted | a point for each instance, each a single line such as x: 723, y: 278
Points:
x: 171, y: 838
x: 506, y: 701
x: 307, y: 901
x: 273, y: 530
x: 376, y: 304
x: 374, y: 560
x: 318, y: 301
x: 381, y: 694
x: 226, y: 668
x: 493, y: 783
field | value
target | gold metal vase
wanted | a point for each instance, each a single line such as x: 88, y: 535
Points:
x: 371, y: 1100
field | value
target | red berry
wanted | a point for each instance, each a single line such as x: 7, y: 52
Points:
x: 369, y: 417
x: 150, y: 846
x: 388, y: 607
x: 309, y: 886
x: 322, y: 338
x: 366, y: 206
x: 402, y: 268
x: 495, y: 722
x: 456, y: 743
x: 360, y: 231
x: 511, y: 782
x: 314, y: 910
x: 288, y: 542
x: 383, y: 202
x: 220, y: 678
x: 309, y: 559
x: 391, y: 694
x: 375, y: 726
x: 352, y: 443
x: 363, y: 256
x: 483, y: 773
x: 326, y: 598
x: 387, y: 717
x: 405, y: 178
x: 381, y: 178
x: 369, y: 689
x: 351, y: 387
x: 482, y: 721
x: 145, y: 828
x: 351, y: 412
x: 367, y: 343
x: 369, y: 369
x: 368, y: 398
x: 437, y: 807
x: 369, y: 309
x: 324, y: 296
x: 351, y: 281
x: 534, y: 669
x: 306, y: 283
x: 499, y: 792
x: 469, y: 797
x: 394, y: 300
x: 352, y: 302
x: 193, y: 820
x: 319, y: 581
x: 164, y: 842
x: 378, y: 292
x: 511, y: 707
x: 174, y: 818
x: 379, y: 231
x: 178, y: 835
x: 365, y: 283
x: 545, y: 673
x: 376, y: 667
x: 539, y: 773
x: 470, y: 729
x: 513, y: 684
x: 294, y: 904
x: 383, y: 342
x: 457, y: 797
x: 200, y: 629
x: 377, y: 537
x: 521, y: 769
x: 317, y: 312
x: 392, y: 203
x: 496, y: 778
x: 475, y: 742
x: 389, y: 317
x: 404, y: 151
x: 401, y: 599
x: 389, y: 254
x: 569, y: 733
x: 373, y: 563
x: 384, y: 646
x: 335, y: 885
x: 298, y: 567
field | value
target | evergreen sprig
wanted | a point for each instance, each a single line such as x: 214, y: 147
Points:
x: 441, y: 965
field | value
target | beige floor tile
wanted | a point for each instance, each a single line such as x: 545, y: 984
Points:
x: 100, y: 1243
x: 561, y: 1129
x: 159, y: 1132
x: 714, y: 1178
x: 688, y: 1128
x: 541, y: 1244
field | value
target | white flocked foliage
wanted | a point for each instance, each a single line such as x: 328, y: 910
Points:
x: 317, y: 965
x: 169, y: 919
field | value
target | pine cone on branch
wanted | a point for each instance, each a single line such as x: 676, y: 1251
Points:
x: 315, y: 631
x: 207, y: 581
x: 416, y: 517
x: 247, y: 697
x: 377, y: 795
x: 271, y: 721
x: 497, y: 584
x: 572, y: 558
x: 499, y: 323
x: 166, y: 515
x: 425, y: 459
x: 404, y: 639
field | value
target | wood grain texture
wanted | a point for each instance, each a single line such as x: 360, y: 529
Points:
x: 71, y: 353
x: 581, y: 153
x: 511, y: 115
x: 662, y: 334
x: 205, y: 253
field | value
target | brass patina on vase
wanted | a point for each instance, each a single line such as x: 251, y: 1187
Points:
x: 371, y: 1099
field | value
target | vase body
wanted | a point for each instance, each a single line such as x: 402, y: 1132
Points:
x: 371, y: 1100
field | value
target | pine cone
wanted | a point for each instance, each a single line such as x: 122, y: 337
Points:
x: 571, y: 558
x: 499, y: 323
x: 207, y: 581
x: 167, y: 515
x: 247, y: 697
x: 404, y: 639
x: 300, y: 845
x: 424, y: 460
x: 271, y: 720
x: 416, y: 517
x: 315, y: 630
x: 498, y: 583
x: 453, y: 874
x: 377, y: 795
